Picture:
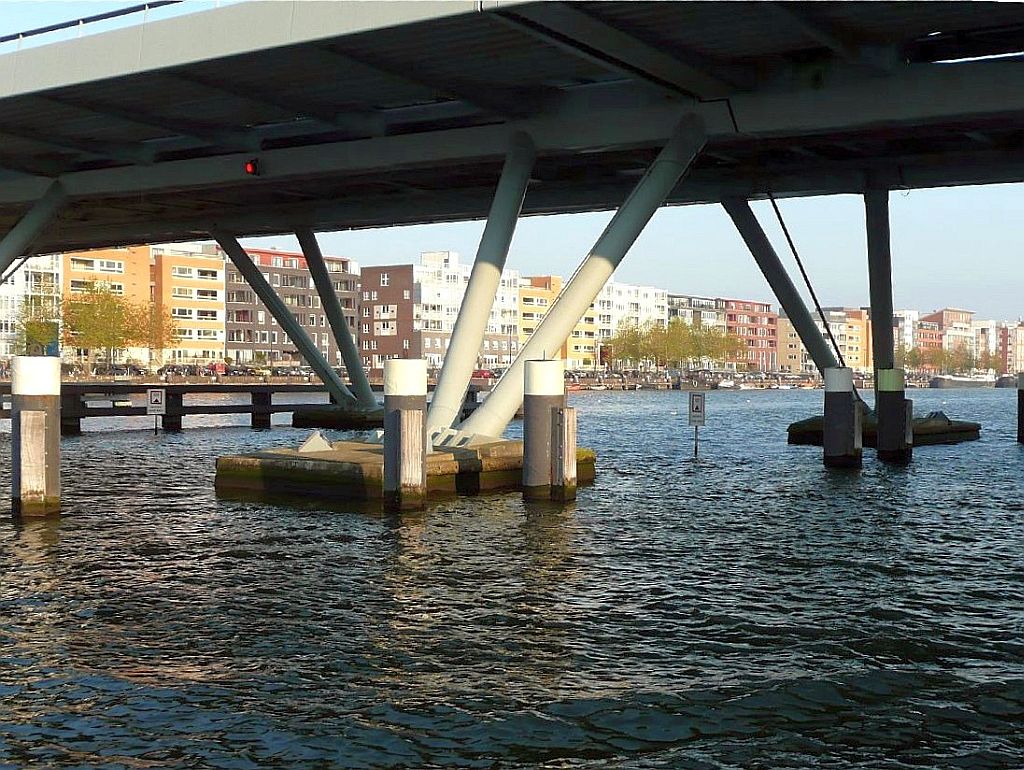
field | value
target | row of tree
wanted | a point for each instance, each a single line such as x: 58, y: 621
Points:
x: 960, y: 359
x: 97, y: 320
x: 678, y: 344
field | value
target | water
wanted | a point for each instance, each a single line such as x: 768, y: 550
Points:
x: 747, y: 610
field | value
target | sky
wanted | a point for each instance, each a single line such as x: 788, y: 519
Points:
x: 958, y: 247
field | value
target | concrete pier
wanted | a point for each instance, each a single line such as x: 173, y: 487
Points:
x: 1020, y: 408
x: 35, y: 436
x: 405, y: 433
x: 544, y: 392
x: 842, y: 430
x: 895, y: 418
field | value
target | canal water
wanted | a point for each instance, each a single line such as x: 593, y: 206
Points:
x: 745, y: 610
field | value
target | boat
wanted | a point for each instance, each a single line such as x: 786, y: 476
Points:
x: 962, y: 381
x: 1007, y: 381
x: 598, y: 387
x: 726, y: 384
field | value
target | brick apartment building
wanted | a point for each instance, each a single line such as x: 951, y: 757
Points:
x: 757, y: 326
x: 252, y: 333
x: 389, y: 316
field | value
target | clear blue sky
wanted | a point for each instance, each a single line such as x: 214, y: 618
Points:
x: 956, y: 246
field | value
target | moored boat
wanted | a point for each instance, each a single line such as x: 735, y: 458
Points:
x: 962, y: 381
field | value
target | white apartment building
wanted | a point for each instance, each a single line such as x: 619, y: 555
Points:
x: 39, y: 278
x: 625, y: 304
x: 441, y: 281
x: 906, y: 323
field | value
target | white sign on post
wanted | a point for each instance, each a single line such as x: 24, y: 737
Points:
x: 697, y: 410
x: 156, y: 401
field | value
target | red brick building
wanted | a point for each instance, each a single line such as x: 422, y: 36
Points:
x: 758, y: 327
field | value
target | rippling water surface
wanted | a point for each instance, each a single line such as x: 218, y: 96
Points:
x: 746, y: 610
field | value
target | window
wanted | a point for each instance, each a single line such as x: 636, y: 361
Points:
x: 406, y: 295
x: 323, y: 320
x: 181, y: 272
x: 276, y: 262
x: 207, y: 334
x: 273, y: 338
x: 312, y: 321
x: 365, y: 328
x: 385, y: 279
x: 261, y: 317
x: 207, y: 275
x: 207, y: 294
x: 373, y: 295
x: 366, y: 311
x: 181, y: 312
x: 206, y: 315
x: 405, y: 344
x: 77, y: 263
x: 180, y: 291
x: 77, y: 287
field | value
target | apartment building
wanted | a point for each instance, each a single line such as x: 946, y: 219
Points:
x: 389, y: 316
x: 252, y: 333
x: 418, y: 322
x: 757, y: 326
x: 624, y: 304
x: 536, y: 295
x: 955, y: 325
x: 705, y: 311
x: 187, y: 281
x: 851, y: 328
x: 792, y: 355
x: 33, y: 289
x: 1010, y: 348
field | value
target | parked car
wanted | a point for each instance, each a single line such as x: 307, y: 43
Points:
x: 483, y: 374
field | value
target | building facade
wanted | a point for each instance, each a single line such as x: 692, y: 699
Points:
x: 705, y: 311
x: 626, y: 304
x: 390, y: 325
x: 252, y: 333
x: 187, y: 282
x: 956, y: 327
x: 792, y: 355
x: 757, y: 326
x: 32, y: 291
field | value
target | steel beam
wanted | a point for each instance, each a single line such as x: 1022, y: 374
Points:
x: 336, y: 318
x: 664, y: 173
x: 876, y: 212
x: 474, y: 312
x: 20, y: 237
x: 782, y: 286
x: 283, y: 315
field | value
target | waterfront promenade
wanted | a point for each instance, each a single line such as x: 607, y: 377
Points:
x: 749, y: 609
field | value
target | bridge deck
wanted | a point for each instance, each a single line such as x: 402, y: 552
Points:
x: 367, y: 114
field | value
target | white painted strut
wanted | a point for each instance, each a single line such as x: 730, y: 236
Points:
x: 650, y: 192
x: 471, y: 325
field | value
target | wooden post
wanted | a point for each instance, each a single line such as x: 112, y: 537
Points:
x: 1020, y: 408
x: 405, y: 433
x: 261, y: 414
x: 35, y: 436
x: 544, y: 391
x: 563, y: 453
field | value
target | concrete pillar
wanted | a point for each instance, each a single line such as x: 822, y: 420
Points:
x: 405, y: 433
x: 35, y: 436
x: 261, y: 413
x: 474, y: 313
x: 782, y: 286
x: 661, y: 177
x: 563, y: 454
x: 841, y: 431
x: 336, y: 318
x: 544, y: 392
x: 1020, y: 408
x: 876, y: 217
x: 895, y: 429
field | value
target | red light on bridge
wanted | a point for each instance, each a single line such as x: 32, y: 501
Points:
x: 252, y: 167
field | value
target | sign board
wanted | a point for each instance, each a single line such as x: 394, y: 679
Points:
x: 156, y: 401
x: 697, y: 410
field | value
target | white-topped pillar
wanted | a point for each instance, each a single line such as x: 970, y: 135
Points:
x: 543, y: 392
x: 841, y: 429
x: 35, y: 436
x: 405, y: 433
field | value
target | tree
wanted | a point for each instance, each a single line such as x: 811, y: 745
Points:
x: 97, y: 319
x: 627, y: 344
x: 150, y: 326
x: 38, y: 324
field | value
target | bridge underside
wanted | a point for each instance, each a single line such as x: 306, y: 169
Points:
x: 364, y: 115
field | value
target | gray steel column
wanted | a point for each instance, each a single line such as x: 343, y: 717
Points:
x: 577, y: 295
x: 544, y: 392
x: 471, y: 325
x: 785, y: 292
x: 19, y: 238
x: 336, y: 318
x: 284, y: 316
x: 876, y: 214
